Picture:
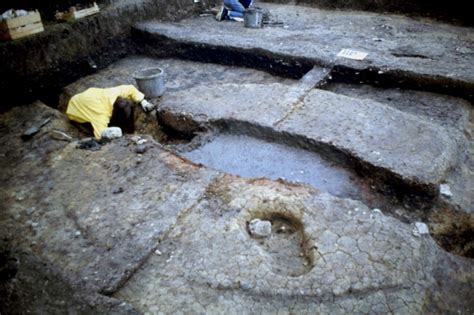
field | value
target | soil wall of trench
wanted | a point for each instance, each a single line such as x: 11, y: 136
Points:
x: 37, y: 67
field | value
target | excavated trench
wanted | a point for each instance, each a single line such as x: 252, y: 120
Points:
x: 255, y: 151
x: 250, y: 150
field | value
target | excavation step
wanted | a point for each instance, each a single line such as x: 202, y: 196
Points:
x: 418, y: 151
x: 420, y: 51
x: 444, y: 110
x: 384, y: 139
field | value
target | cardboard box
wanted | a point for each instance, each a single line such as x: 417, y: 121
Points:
x: 21, y: 26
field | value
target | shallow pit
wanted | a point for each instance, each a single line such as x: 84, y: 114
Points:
x: 252, y: 157
x: 287, y: 245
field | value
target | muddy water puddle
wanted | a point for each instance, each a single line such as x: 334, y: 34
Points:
x: 251, y: 157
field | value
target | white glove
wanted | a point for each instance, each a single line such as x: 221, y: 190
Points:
x: 110, y: 133
x: 147, y: 106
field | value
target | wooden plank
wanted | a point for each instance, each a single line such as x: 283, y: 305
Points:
x: 75, y: 15
x: 21, y: 21
x: 26, y: 30
x: 86, y: 12
x: 81, y: 14
x: 20, y: 32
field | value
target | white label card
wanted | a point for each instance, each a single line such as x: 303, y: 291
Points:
x: 352, y: 54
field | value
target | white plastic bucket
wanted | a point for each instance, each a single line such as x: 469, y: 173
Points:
x: 151, y: 81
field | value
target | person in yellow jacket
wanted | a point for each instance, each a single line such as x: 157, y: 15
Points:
x: 96, y: 106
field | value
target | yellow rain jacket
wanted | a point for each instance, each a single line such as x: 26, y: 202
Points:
x: 96, y: 105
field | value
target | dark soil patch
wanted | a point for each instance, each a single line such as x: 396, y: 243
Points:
x: 453, y: 231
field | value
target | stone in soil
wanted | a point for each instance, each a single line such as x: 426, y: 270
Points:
x: 260, y: 228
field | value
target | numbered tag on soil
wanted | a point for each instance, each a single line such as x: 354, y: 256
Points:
x: 352, y: 54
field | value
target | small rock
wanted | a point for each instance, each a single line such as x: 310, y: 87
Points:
x: 141, y: 148
x: 422, y: 228
x: 135, y: 139
x: 445, y: 190
x: 111, y: 133
x: 260, y: 228
x: 118, y: 190
x: 376, y: 210
x: 157, y: 252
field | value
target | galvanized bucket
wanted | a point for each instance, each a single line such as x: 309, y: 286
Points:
x: 151, y: 81
x: 253, y: 18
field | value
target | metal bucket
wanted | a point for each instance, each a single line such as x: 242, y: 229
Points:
x: 151, y: 81
x: 253, y: 18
